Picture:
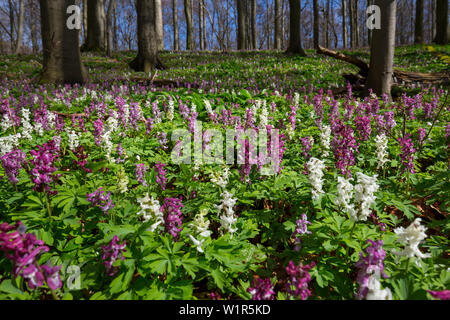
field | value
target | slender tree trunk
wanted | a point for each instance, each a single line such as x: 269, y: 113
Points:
x: 200, y: 25
x: 382, y: 51
x: 355, y: 17
x: 176, y: 37
x: 159, y: 24
x: 327, y: 21
x: 418, y: 26
x: 109, y: 17
x: 278, y: 25
x: 254, y: 41
x: 442, y: 32
x: 96, y: 26
x: 20, y: 26
x: 352, y: 25
x: 85, y: 19
x: 433, y: 20
x: 61, y: 51
x: 205, y: 45
x: 295, y: 41
x: 189, y: 26
x: 369, y: 32
x: 316, y: 30
x: 11, y: 24
x: 241, y: 34
x: 147, y: 58
x: 115, y: 39
x: 344, y: 24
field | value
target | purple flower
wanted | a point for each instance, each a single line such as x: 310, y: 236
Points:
x: 100, y: 199
x: 344, y: 148
x: 12, y: 162
x: 173, y: 216
x: 443, y: 295
x: 363, y: 127
x: 369, y: 264
x: 43, y: 166
x: 422, y: 133
x: 407, y: 154
x: 161, y: 173
x: 111, y: 253
x: 261, y: 289
x: 299, y: 278
x: 52, y: 276
x: 162, y: 139
x: 307, y: 145
x: 390, y: 121
x: 140, y: 172
x: 301, y: 229
x: 98, y: 130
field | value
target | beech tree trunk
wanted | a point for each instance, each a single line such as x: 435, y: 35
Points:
x: 241, y: 30
x: 295, y: 38
x: 316, y: 30
x: 344, y: 24
x: 176, y: 37
x: 159, y: 24
x: 200, y: 25
x: 95, y: 40
x: 61, y: 51
x: 189, y: 26
x: 382, y: 50
x: 442, y: 32
x: 20, y: 26
x: 254, y: 38
x: 278, y: 24
x: 418, y: 27
x: 109, y: 37
x: 147, y: 58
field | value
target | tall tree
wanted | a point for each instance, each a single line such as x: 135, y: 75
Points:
x: 382, y: 50
x: 418, y: 28
x: 95, y: 40
x: 351, y: 12
x: 189, y: 25
x: 295, y: 37
x: 316, y: 23
x: 176, y: 37
x: 442, y: 32
x: 147, y: 58
x: 61, y: 50
x: 109, y: 27
x: 254, y: 38
x: 241, y: 29
x: 201, y: 17
x: 20, y: 26
x: 344, y: 24
x: 159, y: 24
x: 278, y: 25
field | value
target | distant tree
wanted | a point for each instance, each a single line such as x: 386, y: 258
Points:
x: 295, y: 39
x: 61, y: 50
x: 344, y: 24
x: 241, y: 28
x: 189, y: 24
x: 316, y: 30
x: 382, y: 50
x: 109, y: 27
x: 159, y: 24
x: 95, y: 40
x: 176, y: 37
x: 418, y: 29
x: 442, y: 32
x: 278, y: 25
x: 147, y: 58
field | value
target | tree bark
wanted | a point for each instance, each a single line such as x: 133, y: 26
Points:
x: 189, y: 26
x: 109, y: 17
x: 241, y: 30
x: 254, y: 38
x: 352, y: 25
x: 382, y: 50
x: 159, y: 24
x: 442, y: 33
x: 61, y: 51
x: 316, y: 30
x: 20, y: 26
x: 176, y: 37
x: 11, y: 24
x: 115, y: 39
x: 295, y: 38
x: 147, y: 58
x: 344, y: 24
x: 278, y: 25
x: 85, y: 19
x: 200, y: 25
x: 96, y: 26
x: 418, y: 26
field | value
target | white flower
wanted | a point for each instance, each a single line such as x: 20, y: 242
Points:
x: 200, y: 226
x: 6, y: 122
x: 51, y: 117
x: 208, y: 106
x: 151, y: 210
x: 315, y: 169
x: 221, y: 180
x: 345, y: 195
x: 365, y: 195
x: 8, y: 143
x: 123, y: 180
x: 375, y: 292
x: 73, y: 140
x: 27, y: 128
x: 325, y: 136
x: 411, y: 237
x: 227, y: 219
x: 381, y: 142
x: 296, y: 99
x: 170, y: 110
x: 38, y: 128
x: 263, y: 121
